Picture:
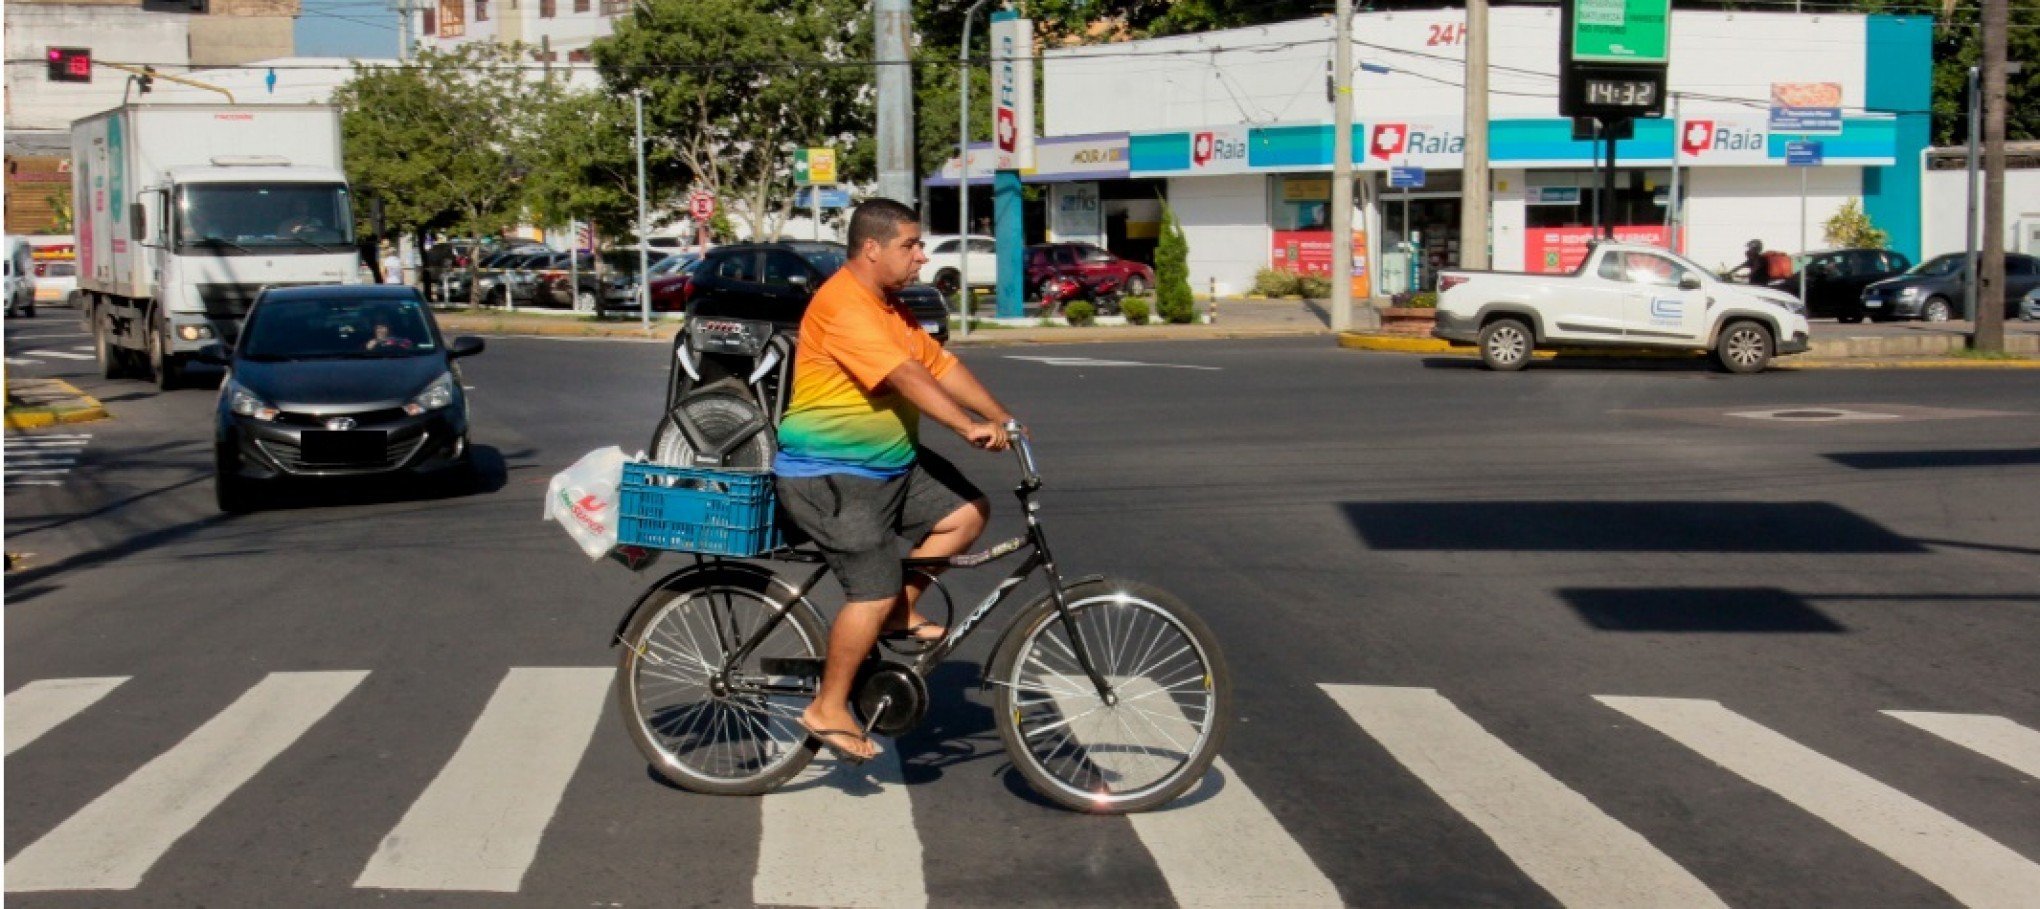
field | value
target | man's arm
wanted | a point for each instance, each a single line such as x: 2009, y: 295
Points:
x: 963, y: 385
x: 918, y: 385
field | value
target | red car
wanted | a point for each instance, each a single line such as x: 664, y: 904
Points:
x: 1088, y: 264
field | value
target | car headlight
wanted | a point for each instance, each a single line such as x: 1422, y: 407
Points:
x: 247, y: 404
x: 1908, y: 293
x: 1797, y: 307
x: 436, y: 396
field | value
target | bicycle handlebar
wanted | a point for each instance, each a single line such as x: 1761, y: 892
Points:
x: 1018, y: 435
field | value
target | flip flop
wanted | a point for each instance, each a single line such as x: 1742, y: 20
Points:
x: 843, y: 754
x: 913, y: 633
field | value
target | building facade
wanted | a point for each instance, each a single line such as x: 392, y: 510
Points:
x: 1233, y: 128
x: 558, y: 31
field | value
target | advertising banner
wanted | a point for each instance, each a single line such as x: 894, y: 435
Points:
x: 1559, y: 250
x: 1074, y: 214
x: 1309, y: 252
x: 1622, y: 31
x: 1806, y: 108
x: 1013, y: 93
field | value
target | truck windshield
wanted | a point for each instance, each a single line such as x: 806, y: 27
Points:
x: 264, y: 218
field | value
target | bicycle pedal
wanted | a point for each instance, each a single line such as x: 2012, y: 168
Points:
x: 802, y: 667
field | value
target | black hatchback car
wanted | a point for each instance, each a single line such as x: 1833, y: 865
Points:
x: 774, y: 281
x: 337, y: 380
x: 1835, y: 280
x: 1933, y: 290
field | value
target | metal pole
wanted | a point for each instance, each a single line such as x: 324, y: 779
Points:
x: 644, y: 249
x: 573, y: 264
x: 1672, y: 206
x: 892, y: 34
x: 1989, y: 279
x: 1802, y: 235
x: 1969, y: 242
x: 1342, y: 169
x: 1608, y: 185
x: 1474, y: 204
x: 815, y: 201
x: 964, y: 300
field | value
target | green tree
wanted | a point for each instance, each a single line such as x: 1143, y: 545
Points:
x: 585, y: 168
x: 447, y: 140
x: 1851, y: 227
x: 732, y: 87
x: 1173, y: 299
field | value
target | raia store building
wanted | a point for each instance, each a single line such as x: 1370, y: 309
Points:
x: 1234, y: 129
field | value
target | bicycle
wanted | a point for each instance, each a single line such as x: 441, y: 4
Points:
x: 1112, y: 696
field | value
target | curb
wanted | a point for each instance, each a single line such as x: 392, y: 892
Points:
x: 85, y: 409
x: 1405, y: 344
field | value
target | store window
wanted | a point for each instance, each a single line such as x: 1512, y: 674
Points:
x: 1302, y: 203
x: 1567, y: 198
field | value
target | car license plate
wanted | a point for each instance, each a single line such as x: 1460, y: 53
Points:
x: 931, y: 327
x: 1872, y: 304
x: 322, y: 446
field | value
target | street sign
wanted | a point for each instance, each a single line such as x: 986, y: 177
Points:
x: 701, y: 205
x: 1803, y: 153
x: 814, y: 166
x: 1406, y: 178
x: 832, y: 197
x: 1013, y: 90
x: 1621, y: 31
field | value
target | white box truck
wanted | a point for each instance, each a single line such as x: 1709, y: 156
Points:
x: 186, y: 211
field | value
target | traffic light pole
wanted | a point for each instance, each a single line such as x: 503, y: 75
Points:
x: 148, y: 73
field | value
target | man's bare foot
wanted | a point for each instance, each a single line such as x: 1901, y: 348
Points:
x: 838, y: 733
x: 917, y: 629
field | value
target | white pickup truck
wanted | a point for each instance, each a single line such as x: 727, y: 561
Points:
x: 1621, y: 296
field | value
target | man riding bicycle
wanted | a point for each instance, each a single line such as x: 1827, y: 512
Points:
x: 851, y: 472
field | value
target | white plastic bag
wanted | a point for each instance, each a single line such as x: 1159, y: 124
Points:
x: 584, y: 498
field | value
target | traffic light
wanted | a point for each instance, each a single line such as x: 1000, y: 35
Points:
x: 70, y: 64
x: 147, y: 80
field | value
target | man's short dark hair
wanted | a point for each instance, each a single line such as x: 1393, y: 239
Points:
x: 878, y: 220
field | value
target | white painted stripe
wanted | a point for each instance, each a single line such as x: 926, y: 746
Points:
x: 1970, y: 866
x: 1993, y: 737
x: 838, y: 835
x: 41, y: 461
x: 112, y: 842
x: 478, y: 825
x: 1220, y: 846
x: 1564, y: 843
x: 42, y: 443
x: 18, y: 361
x: 38, y: 707
x: 59, y: 354
x: 38, y: 471
x: 14, y: 482
x: 79, y: 347
x: 49, y: 436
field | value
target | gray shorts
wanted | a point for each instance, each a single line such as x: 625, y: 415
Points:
x: 858, y: 522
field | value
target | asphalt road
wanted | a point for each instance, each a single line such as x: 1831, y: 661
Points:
x: 1587, y: 635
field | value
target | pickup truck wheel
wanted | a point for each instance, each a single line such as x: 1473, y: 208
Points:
x: 1743, y: 348
x: 1505, y: 345
x: 947, y: 281
x: 1936, y: 309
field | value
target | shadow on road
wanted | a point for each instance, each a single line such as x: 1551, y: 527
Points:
x: 1778, y: 527
x: 490, y: 474
x: 1698, y: 609
x: 1922, y: 460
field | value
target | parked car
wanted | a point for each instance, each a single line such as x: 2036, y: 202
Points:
x: 670, y: 282
x: 55, y: 282
x: 337, y: 380
x: 2029, y: 305
x: 613, y: 287
x: 1835, y: 279
x: 1087, y: 264
x: 773, y: 282
x: 514, y: 279
x: 446, y: 264
x: 1623, y: 295
x: 1932, y: 291
x: 946, y: 260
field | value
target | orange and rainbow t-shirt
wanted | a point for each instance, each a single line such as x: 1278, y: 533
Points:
x: 843, y: 417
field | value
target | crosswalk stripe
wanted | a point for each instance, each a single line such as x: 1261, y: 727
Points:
x: 22, y: 361
x: 14, y: 482
x: 112, y: 842
x: 838, y: 835
x: 59, y: 354
x: 38, y: 707
x: 1221, y: 847
x: 1557, y: 837
x: 1972, y: 867
x: 1993, y: 737
x: 478, y: 825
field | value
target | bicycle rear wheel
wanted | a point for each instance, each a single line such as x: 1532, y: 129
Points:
x: 1164, y: 665
x: 734, y: 734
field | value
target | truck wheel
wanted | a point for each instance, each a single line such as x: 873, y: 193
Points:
x: 1505, y: 345
x: 1743, y: 348
x: 162, y: 364
x: 110, y: 359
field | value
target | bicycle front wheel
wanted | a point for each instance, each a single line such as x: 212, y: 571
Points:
x: 1173, y: 698
x: 710, y: 731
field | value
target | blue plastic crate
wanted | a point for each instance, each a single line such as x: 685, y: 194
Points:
x: 691, y: 509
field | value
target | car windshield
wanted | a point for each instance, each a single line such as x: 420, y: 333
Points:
x: 264, y: 218
x: 1938, y: 265
x: 314, y: 328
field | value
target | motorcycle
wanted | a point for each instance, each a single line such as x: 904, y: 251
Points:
x: 1102, y: 293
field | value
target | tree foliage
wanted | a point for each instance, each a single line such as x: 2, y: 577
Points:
x: 1851, y: 228
x: 732, y: 129
x: 585, y: 167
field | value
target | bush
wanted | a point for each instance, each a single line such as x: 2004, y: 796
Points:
x: 1314, y: 287
x: 1080, y: 314
x: 1135, y: 309
x: 1274, y: 282
x: 1172, y: 272
x: 1851, y: 228
x: 1419, y: 300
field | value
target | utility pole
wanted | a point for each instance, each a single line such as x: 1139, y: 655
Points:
x: 1969, y: 267
x: 1342, y: 169
x: 404, y: 12
x: 964, y: 300
x: 892, y: 27
x: 1474, y: 207
x: 644, y: 249
x: 1989, y: 278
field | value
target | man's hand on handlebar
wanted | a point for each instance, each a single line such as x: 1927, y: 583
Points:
x: 989, y: 436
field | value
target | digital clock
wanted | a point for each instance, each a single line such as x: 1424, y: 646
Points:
x: 1633, y: 93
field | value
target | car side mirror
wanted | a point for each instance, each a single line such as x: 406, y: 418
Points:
x: 1689, y: 282
x: 465, y: 346
x: 216, y: 354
